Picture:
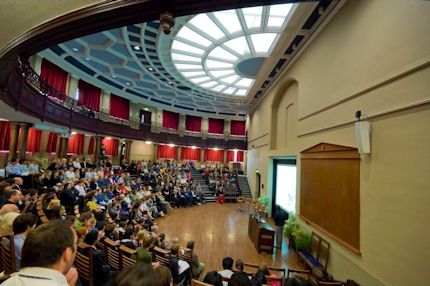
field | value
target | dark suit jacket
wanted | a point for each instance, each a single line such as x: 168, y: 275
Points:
x: 239, y: 279
x: 101, y: 269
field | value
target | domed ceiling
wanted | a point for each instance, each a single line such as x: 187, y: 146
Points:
x: 218, y: 63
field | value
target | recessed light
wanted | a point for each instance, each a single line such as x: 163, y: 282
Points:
x: 193, y: 147
x: 150, y: 69
x: 137, y: 48
x: 108, y: 138
x: 148, y: 142
x: 171, y: 145
x: 173, y: 100
x: 127, y: 83
x: 113, y: 76
x: 145, y: 108
x: 87, y: 59
x: 73, y: 133
x: 170, y: 82
x: 75, y: 49
x: 216, y: 149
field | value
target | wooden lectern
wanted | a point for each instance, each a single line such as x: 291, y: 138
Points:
x: 262, y: 235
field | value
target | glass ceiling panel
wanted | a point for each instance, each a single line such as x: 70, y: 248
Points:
x: 253, y: 16
x: 209, y: 84
x: 229, y: 20
x: 229, y: 90
x: 180, y: 57
x: 200, y: 79
x: 278, y: 14
x: 239, y: 45
x: 219, y: 52
x: 230, y: 79
x: 202, y: 20
x: 191, y: 35
x: 217, y: 64
x: 195, y: 66
x: 263, y: 42
x: 192, y: 74
x: 222, y: 73
x: 178, y: 45
x: 241, y: 92
x: 245, y: 82
x: 218, y: 87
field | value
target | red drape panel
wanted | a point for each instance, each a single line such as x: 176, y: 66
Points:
x: 190, y: 154
x: 193, y: 123
x: 89, y: 95
x: 170, y: 120
x: 91, y: 146
x: 33, y: 140
x: 111, y: 146
x: 54, y: 76
x: 119, y: 107
x: 5, y: 130
x: 237, y: 128
x: 216, y: 126
x: 234, y: 156
x: 167, y: 152
x: 76, y: 144
x: 51, y: 147
x: 214, y: 155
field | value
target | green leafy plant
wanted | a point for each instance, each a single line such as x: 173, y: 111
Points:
x: 303, y: 241
x: 290, y: 225
x: 264, y: 200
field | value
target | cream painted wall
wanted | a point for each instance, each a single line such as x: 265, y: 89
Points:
x: 373, y: 56
x: 31, y: 13
x: 141, y: 151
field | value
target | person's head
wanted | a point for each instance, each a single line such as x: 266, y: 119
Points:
x: 162, y: 236
x: 190, y: 244
x: 18, y: 181
x: 7, y: 220
x: 147, y: 241
x: 213, y: 278
x: 51, y: 245
x: 128, y: 234
x: 13, y: 195
x: 174, y: 249
x: 91, y: 237
x: 73, y: 221
x: 227, y: 263
x: 139, y: 274
x: 85, y: 217
x: 264, y: 268
x: 164, y: 275
x: 239, y: 265
x: 81, y: 233
x: 8, y: 208
x: 24, y: 224
x: 109, y: 229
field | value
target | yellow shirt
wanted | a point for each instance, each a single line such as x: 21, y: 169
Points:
x: 92, y: 205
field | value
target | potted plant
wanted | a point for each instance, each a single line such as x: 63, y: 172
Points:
x: 264, y: 200
x: 302, y: 240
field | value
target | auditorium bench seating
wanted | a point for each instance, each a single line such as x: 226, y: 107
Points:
x: 125, y: 260
x: 161, y: 255
x: 317, y: 256
x: 7, y: 254
x: 84, y: 264
x: 111, y: 249
x: 306, y: 273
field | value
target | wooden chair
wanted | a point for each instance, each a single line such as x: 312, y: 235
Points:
x: 111, y: 249
x: 254, y: 268
x: 195, y: 282
x: 306, y: 273
x: 7, y: 254
x: 125, y: 259
x: 186, y: 254
x: 162, y: 256
x: 84, y: 264
x: 319, y: 251
x: 41, y: 214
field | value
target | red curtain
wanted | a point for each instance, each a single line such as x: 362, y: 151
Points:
x: 237, y: 128
x: 54, y: 76
x: 170, y: 120
x: 167, y: 152
x: 214, y: 155
x: 234, y: 156
x: 33, y: 140
x: 89, y: 95
x: 51, y: 147
x: 119, y: 107
x: 190, y: 154
x: 76, y: 144
x: 216, y: 126
x: 111, y: 146
x: 91, y: 146
x: 193, y: 123
x: 5, y: 130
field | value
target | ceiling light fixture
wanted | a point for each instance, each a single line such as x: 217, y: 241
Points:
x: 73, y: 133
x: 150, y: 69
x: 148, y: 142
x: 193, y: 147
x: 167, y: 21
x: 75, y: 49
x: 127, y: 83
x: 137, y: 48
x: 108, y: 138
x: 87, y: 59
x: 171, y: 145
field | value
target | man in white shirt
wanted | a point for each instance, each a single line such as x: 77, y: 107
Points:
x: 70, y: 174
x: 47, y: 257
x: 227, y: 265
x: 76, y: 163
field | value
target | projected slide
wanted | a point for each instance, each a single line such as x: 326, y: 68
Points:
x: 286, y: 187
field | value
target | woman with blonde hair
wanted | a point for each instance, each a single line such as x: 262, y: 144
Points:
x: 7, y: 221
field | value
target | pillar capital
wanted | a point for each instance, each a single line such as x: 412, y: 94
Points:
x: 25, y: 125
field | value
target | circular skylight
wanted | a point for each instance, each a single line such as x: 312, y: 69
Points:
x: 223, y: 51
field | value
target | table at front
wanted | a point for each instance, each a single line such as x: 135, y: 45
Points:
x: 262, y: 235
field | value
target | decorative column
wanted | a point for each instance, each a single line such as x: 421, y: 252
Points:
x: 13, y: 140
x: 97, y: 144
x: 72, y: 86
x: 225, y: 156
x: 202, y: 154
x: 205, y: 126
x: 155, y: 151
x: 62, y: 150
x: 182, y: 124
x: 104, y: 102
x: 23, y: 140
x: 127, y: 150
x: 178, y: 154
x: 227, y: 123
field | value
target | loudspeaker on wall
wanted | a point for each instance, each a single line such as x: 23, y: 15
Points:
x: 362, y: 134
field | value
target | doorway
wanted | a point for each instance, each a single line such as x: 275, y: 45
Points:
x: 258, y: 176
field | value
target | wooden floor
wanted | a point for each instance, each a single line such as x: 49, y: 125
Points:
x: 219, y: 230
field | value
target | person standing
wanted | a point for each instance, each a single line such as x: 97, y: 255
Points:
x: 279, y: 217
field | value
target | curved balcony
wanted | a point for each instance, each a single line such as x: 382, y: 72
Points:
x: 28, y: 93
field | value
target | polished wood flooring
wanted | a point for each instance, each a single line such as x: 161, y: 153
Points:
x: 219, y: 230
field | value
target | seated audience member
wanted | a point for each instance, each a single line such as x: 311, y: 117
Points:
x: 22, y: 226
x: 13, y: 197
x: 318, y: 274
x: 102, y: 271
x: 164, y: 275
x: 7, y: 221
x: 47, y: 257
x: 196, y: 266
x: 178, y: 273
x: 143, y: 254
x: 128, y: 239
x: 8, y: 209
x: 239, y: 278
x: 81, y: 232
x: 259, y: 278
x: 213, y: 278
x: 138, y: 274
x: 13, y: 168
x: 227, y: 265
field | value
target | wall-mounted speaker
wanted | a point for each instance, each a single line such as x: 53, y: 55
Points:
x: 362, y: 134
